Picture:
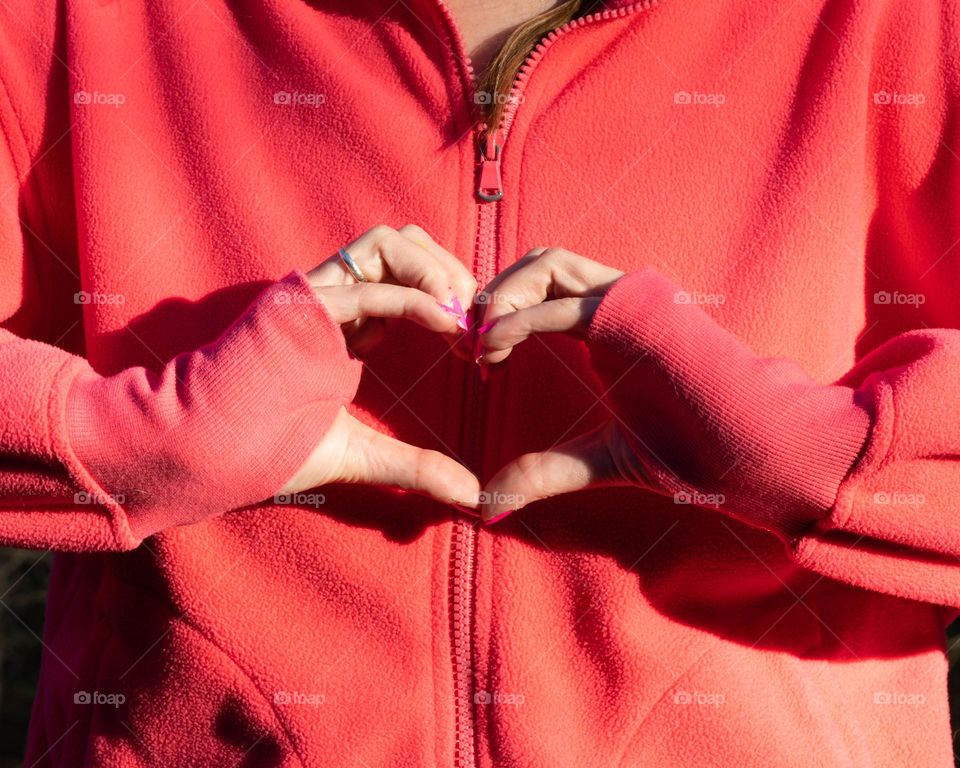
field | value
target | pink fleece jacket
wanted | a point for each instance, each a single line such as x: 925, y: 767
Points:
x: 782, y: 185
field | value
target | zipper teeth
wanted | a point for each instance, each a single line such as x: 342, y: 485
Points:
x: 464, y: 535
x: 530, y: 63
x: 461, y: 605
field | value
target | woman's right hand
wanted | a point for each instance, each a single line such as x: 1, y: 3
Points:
x: 408, y: 276
x: 407, y: 257
x: 226, y: 425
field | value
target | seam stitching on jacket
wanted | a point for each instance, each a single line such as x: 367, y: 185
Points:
x: 62, y: 449
x: 29, y: 185
x: 176, y: 615
x: 636, y: 729
x: 885, y: 396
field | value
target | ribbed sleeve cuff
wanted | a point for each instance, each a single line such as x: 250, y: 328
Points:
x: 221, y: 427
x: 759, y: 433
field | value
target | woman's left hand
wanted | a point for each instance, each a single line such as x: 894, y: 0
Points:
x: 550, y: 290
x: 693, y: 412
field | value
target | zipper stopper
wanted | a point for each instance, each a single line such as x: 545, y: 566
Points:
x: 490, y: 187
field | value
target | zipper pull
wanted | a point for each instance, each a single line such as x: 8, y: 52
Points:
x: 490, y: 187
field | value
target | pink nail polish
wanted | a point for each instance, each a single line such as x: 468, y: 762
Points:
x: 487, y: 326
x: 465, y: 510
x: 456, y: 309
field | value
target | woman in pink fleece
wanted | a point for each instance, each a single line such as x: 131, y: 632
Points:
x: 710, y: 252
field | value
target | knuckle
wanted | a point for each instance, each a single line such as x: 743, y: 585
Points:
x: 413, y: 229
x: 530, y: 466
x: 553, y: 254
x: 380, y: 231
x: 572, y: 303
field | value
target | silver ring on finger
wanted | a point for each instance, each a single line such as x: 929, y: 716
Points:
x: 352, y: 266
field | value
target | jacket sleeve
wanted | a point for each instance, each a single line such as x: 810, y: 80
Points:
x: 99, y: 463
x: 861, y: 479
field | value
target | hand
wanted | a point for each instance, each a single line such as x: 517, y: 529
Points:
x: 408, y: 276
x: 403, y: 257
x: 549, y: 290
x: 694, y: 413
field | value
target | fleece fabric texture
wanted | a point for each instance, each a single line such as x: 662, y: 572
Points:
x: 781, y: 185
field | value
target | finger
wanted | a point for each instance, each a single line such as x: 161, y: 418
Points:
x: 347, y: 303
x: 364, y: 251
x: 542, y: 274
x: 408, y: 256
x: 461, y: 288
x: 575, y: 465
x: 568, y: 315
x: 377, y: 459
x: 462, y: 282
x: 367, y: 336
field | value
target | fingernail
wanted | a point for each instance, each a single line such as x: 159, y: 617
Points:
x: 457, y: 311
x: 466, y: 510
x: 492, y: 520
x: 487, y: 326
x: 456, y: 308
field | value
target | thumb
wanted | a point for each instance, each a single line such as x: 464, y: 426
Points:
x: 373, y: 458
x: 583, y: 462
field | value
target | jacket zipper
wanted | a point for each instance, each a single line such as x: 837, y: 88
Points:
x: 463, y: 540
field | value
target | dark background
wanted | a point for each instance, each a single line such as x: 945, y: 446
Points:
x: 23, y: 584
